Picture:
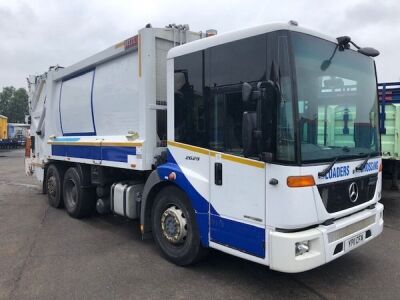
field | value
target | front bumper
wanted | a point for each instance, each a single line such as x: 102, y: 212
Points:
x: 323, y: 241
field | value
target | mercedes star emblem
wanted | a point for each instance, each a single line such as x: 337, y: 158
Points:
x: 353, y: 192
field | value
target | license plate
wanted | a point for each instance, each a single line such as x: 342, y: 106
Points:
x: 355, y: 241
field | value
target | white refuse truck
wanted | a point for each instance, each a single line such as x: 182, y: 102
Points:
x: 262, y: 143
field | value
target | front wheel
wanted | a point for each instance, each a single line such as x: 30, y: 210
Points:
x: 174, y: 227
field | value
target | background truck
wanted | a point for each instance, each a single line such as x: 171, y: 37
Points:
x: 389, y: 127
x: 3, y: 127
x: 262, y: 143
x: 6, y: 142
x: 18, y: 132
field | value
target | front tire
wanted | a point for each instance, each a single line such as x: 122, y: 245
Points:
x: 79, y: 200
x: 54, y: 186
x: 174, y: 227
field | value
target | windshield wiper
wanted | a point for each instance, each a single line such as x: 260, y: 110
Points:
x: 362, y: 165
x: 328, y: 168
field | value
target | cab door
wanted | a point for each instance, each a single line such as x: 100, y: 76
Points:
x: 237, y: 214
x: 237, y: 184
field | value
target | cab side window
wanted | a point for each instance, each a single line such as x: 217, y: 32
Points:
x: 227, y: 67
x: 190, y: 127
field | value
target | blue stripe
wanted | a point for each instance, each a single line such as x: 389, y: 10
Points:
x: 237, y: 235
x: 59, y: 108
x: 199, y: 204
x: 80, y: 133
x: 91, y: 101
x: 88, y: 152
x: 109, y: 153
x: 117, y: 153
x: 58, y: 150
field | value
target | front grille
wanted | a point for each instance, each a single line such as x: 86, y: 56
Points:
x: 335, y: 196
x: 350, y: 229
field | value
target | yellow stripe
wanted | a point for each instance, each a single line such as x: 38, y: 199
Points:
x: 233, y: 158
x: 189, y: 147
x: 242, y: 160
x: 122, y: 144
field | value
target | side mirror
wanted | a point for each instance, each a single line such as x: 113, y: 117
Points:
x: 248, y: 127
x: 369, y: 51
x: 246, y: 91
x: 271, y: 91
x: 256, y: 133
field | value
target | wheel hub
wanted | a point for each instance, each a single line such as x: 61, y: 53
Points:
x: 174, y: 225
x: 51, y: 186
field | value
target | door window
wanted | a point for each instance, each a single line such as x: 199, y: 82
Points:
x: 229, y: 66
x: 189, y: 101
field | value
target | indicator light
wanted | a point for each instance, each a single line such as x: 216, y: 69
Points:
x: 300, y: 181
x: 172, y: 176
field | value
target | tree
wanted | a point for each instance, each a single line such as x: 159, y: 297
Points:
x: 5, y: 98
x: 14, y: 104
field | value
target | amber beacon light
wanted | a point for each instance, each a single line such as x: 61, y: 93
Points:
x: 300, y: 181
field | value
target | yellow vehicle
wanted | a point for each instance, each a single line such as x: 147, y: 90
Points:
x: 3, y: 127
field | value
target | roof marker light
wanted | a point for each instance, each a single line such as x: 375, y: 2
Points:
x: 211, y: 32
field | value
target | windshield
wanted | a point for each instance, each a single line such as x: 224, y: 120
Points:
x: 337, y: 101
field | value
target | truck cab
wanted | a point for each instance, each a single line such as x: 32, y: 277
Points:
x: 273, y: 135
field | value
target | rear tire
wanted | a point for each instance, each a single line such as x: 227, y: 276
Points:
x: 174, y: 227
x: 79, y: 200
x: 54, y: 186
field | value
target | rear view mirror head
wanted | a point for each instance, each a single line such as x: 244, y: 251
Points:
x: 325, y: 64
x: 249, y: 124
x: 246, y: 91
x: 369, y: 51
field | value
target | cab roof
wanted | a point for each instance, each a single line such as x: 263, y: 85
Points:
x: 238, y: 35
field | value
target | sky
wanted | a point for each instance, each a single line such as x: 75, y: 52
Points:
x: 36, y: 34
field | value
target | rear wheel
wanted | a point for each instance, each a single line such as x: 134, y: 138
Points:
x: 79, y: 200
x: 54, y: 186
x: 174, y: 227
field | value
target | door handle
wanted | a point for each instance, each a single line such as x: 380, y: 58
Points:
x: 218, y: 173
x: 273, y: 181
